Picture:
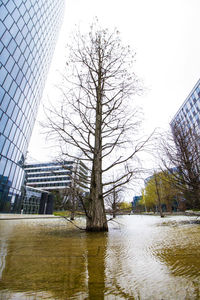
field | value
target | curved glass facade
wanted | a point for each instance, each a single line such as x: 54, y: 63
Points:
x: 189, y: 112
x: 28, y: 32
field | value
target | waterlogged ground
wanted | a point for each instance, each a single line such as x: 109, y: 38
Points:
x: 141, y: 257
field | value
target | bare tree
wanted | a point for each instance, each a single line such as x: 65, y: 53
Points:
x: 114, y: 199
x: 97, y: 117
x: 182, y: 161
x: 72, y: 195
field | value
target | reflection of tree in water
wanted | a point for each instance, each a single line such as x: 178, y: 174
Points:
x: 96, y: 251
x: 64, y: 264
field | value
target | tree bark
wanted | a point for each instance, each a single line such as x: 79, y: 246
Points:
x: 97, y: 217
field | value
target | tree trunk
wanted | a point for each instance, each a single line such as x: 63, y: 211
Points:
x: 158, y: 195
x: 96, y: 219
x: 114, y: 204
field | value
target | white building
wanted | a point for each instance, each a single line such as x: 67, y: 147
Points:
x: 54, y: 175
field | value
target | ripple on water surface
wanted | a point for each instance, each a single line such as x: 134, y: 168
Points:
x: 141, y: 257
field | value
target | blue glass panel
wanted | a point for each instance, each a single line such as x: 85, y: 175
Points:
x: 18, y: 2
x: 28, y: 38
x: 23, y: 83
x: 2, y: 93
x: 12, y: 133
x: 21, y: 100
x: 6, y: 38
x: 25, y: 31
x: 10, y: 108
x: 3, y: 13
x: 4, y: 56
x: 8, y: 22
x: 17, y: 54
x: 2, y: 141
x: 7, y: 82
x: 19, y: 118
x: 3, y: 122
x: 10, y: 151
x: 28, y: 4
x: 10, y: 6
x: 10, y: 63
x: 15, y: 113
x: 20, y: 23
x: 6, y: 147
x: 15, y: 71
x: 17, y: 95
x: 2, y: 165
x: 1, y: 48
x: 22, y: 9
x: 14, y: 30
x: 21, y: 61
x: 12, y: 89
x: 30, y: 24
x: 12, y: 46
x: 19, y: 38
x: 5, y: 102
x: 19, y: 77
x: 25, y: 67
x: 8, y: 128
x: 23, y: 46
x: 12, y: 171
x: 26, y: 53
x: 16, y: 14
x: 16, y: 176
x: 3, y: 75
x: 16, y: 137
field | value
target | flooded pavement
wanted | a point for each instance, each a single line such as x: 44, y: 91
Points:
x: 141, y: 257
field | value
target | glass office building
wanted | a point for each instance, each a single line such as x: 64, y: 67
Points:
x: 28, y: 32
x: 189, y: 112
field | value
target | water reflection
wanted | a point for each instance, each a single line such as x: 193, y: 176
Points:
x: 139, y: 258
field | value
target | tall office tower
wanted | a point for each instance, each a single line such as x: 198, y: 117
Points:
x: 28, y: 32
x: 188, y: 114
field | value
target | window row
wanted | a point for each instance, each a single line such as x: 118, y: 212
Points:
x: 36, y: 170
x: 47, y: 179
x: 64, y: 184
x: 49, y: 174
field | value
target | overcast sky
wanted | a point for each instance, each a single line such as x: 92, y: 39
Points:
x: 165, y: 36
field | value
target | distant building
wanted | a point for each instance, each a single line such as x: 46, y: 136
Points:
x: 189, y: 112
x: 135, y: 202
x: 49, y: 176
x: 28, y: 34
x: 56, y: 177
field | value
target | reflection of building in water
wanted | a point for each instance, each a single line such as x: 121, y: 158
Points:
x: 5, y: 231
x: 28, y: 33
x: 3, y: 253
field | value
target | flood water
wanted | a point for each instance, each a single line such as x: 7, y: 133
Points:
x: 141, y: 257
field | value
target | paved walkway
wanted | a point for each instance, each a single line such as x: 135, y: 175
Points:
x: 25, y: 216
